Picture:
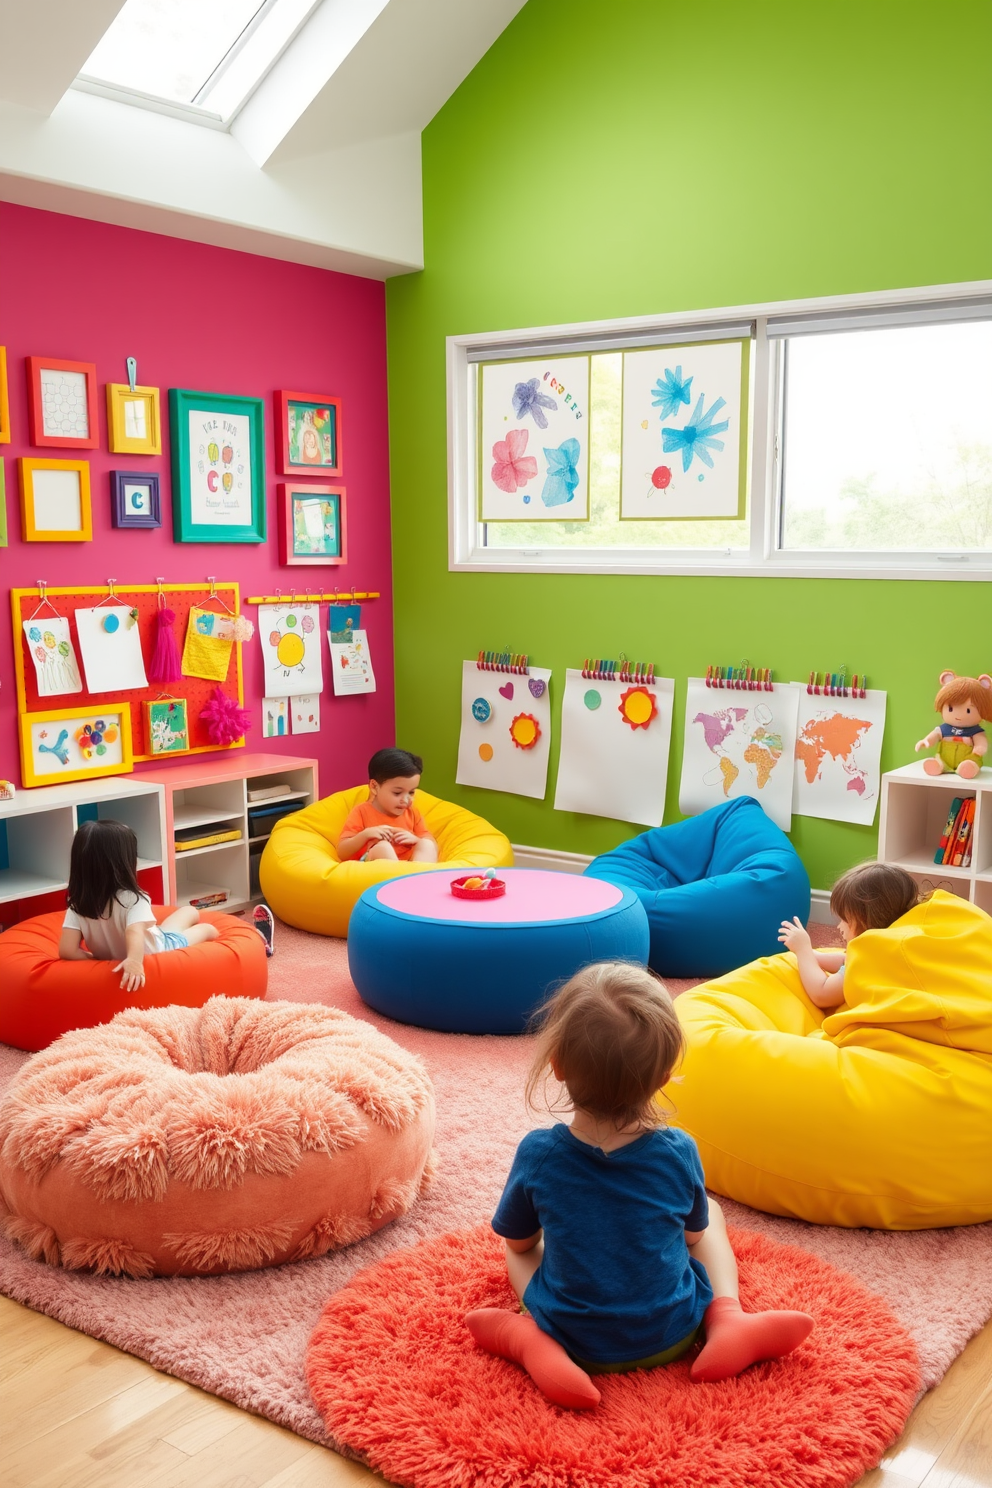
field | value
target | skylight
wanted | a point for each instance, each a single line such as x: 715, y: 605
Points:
x: 187, y: 54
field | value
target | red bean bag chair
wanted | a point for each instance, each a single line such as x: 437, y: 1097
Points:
x: 42, y: 997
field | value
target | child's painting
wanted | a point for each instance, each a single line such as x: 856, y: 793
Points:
x: 505, y: 730
x: 51, y: 650
x: 684, y: 441
x: 839, y: 756
x: 290, y: 637
x: 305, y: 712
x: 351, y: 664
x: 308, y: 429
x: 314, y: 525
x: 615, y: 738
x: 75, y: 744
x: 275, y: 717
x: 739, y: 744
x: 167, y: 726
x: 534, y: 417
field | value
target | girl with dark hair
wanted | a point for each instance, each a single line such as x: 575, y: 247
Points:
x: 109, y: 911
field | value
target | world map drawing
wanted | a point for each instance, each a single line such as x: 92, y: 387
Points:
x: 738, y: 737
x: 833, y: 738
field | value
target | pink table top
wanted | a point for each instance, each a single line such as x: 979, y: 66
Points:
x: 533, y: 896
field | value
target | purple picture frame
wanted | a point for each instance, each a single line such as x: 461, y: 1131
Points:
x: 123, y: 511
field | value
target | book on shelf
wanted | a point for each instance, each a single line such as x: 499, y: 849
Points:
x: 192, y: 837
x: 946, y: 834
x: 209, y: 898
x: 268, y: 792
x: 954, y: 849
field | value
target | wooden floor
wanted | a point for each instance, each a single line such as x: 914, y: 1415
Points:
x: 79, y: 1414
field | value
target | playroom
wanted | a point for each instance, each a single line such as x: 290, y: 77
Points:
x: 495, y: 800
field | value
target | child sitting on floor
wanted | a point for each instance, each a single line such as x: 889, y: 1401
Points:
x: 108, y: 909
x: 388, y: 825
x: 870, y: 897
x: 620, y: 1260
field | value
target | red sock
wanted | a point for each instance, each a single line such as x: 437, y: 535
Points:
x: 735, y: 1339
x: 513, y: 1336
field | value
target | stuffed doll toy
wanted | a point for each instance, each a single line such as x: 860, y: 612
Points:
x: 962, y: 702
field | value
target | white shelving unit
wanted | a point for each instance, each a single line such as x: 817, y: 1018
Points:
x: 914, y: 812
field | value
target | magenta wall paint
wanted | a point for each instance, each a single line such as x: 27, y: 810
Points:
x: 217, y: 321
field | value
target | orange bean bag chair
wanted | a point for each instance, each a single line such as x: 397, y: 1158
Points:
x: 193, y: 1141
x: 42, y: 997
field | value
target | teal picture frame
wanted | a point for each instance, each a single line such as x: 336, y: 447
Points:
x: 218, y: 467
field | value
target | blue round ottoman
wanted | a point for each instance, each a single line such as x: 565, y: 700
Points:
x: 716, y: 888
x: 421, y: 956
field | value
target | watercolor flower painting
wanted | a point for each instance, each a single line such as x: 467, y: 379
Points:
x: 563, y: 475
x: 528, y: 398
x: 698, y: 436
x: 513, y: 468
x: 670, y: 394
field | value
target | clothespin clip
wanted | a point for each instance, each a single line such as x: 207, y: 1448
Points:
x: 132, y: 373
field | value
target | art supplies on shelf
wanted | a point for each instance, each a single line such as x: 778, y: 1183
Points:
x: 839, y: 748
x: 954, y: 849
x: 616, y: 727
x: 502, y: 661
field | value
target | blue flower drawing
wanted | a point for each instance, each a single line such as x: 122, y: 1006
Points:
x: 697, y: 436
x: 669, y: 394
x: 528, y: 398
x: 563, y: 477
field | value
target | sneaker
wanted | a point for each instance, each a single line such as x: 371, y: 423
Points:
x: 264, y: 921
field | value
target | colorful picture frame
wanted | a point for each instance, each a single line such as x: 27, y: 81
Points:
x: 62, y: 410
x: 69, y: 744
x: 136, y: 499
x: 134, y: 421
x: 218, y: 467
x: 308, y: 432
x: 167, y: 726
x: 312, y: 525
x: 55, y: 500
x: 4, y: 399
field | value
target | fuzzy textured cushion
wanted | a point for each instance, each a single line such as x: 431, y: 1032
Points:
x: 43, y: 997
x: 189, y: 1142
x: 308, y: 886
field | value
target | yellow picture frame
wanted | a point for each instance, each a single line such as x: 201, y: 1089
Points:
x: 63, y: 742
x: 121, y: 418
x: 4, y: 399
x: 34, y: 524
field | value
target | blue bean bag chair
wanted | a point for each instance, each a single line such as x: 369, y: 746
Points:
x: 716, y: 887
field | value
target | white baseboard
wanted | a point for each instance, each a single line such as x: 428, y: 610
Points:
x: 569, y: 862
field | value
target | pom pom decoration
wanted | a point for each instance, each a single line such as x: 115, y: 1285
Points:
x: 242, y: 628
x: 226, y: 720
x: 164, y: 666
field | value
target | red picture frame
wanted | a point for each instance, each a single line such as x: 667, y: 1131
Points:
x: 294, y: 412
x: 42, y: 415
x: 322, y: 541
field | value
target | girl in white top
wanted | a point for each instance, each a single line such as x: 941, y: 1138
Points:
x: 109, y: 911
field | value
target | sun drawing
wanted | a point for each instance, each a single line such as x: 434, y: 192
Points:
x: 289, y: 644
x: 637, y: 707
x: 525, y: 731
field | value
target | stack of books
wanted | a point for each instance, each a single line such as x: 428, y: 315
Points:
x: 955, y: 843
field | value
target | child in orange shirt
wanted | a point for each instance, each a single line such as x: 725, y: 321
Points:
x: 388, y: 826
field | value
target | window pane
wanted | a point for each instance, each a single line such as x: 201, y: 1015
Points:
x: 888, y: 439
x: 168, y: 48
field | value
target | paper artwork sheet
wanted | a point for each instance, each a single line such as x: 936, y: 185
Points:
x: 290, y: 639
x: 306, y: 714
x: 110, y: 645
x: 739, y: 744
x: 51, y: 651
x: 275, y: 717
x: 615, y: 738
x: 351, y: 665
x: 838, y: 771
x: 535, y: 440
x: 58, y: 749
x: 684, y: 419
x: 220, y: 468
x: 505, y: 731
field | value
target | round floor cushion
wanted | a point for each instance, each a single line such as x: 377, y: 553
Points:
x: 400, y: 1384
x: 192, y: 1141
x: 42, y: 997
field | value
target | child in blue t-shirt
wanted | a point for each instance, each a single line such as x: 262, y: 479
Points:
x: 620, y: 1260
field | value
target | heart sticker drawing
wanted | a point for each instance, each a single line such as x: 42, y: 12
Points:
x: 506, y: 691
x: 537, y: 686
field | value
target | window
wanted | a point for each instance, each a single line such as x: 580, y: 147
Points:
x: 863, y: 433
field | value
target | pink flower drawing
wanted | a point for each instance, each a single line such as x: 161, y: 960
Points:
x: 513, y: 468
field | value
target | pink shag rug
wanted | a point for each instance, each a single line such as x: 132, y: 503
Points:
x: 400, y: 1382
x: 244, y: 1337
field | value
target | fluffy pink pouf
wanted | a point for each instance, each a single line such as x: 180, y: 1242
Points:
x: 192, y: 1141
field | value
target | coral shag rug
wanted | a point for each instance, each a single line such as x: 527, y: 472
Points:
x: 401, y: 1384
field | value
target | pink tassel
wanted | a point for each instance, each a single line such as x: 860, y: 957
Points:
x: 164, y: 666
x: 226, y: 720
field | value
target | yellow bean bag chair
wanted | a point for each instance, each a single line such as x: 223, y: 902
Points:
x: 878, y: 1113
x: 307, y: 885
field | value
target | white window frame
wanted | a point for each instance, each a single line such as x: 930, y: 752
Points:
x: 763, y: 558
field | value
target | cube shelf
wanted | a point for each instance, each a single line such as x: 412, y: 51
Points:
x: 914, y: 811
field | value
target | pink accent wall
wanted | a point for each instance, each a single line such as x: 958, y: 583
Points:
x: 217, y: 321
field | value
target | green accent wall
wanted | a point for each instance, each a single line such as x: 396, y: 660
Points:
x: 642, y: 157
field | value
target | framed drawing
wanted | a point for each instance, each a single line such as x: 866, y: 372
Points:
x: 134, y: 424
x: 136, y: 498
x: 312, y: 528
x: 62, y: 403
x: 75, y: 744
x: 167, y: 726
x: 55, y: 500
x: 4, y: 399
x: 308, y: 429
x: 218, y: 467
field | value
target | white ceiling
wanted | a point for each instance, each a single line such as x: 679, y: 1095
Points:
x: 321, y: 166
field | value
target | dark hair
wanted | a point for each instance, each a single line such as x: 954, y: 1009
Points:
x: 103, y: 864
x: 392, y: 764
x: 614, y: 1037
x: 874, y: 895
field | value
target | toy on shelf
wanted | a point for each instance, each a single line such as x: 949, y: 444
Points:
x: 963, y: 703
x: 8, y: 790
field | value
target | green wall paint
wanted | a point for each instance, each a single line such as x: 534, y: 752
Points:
x: 646, y: 157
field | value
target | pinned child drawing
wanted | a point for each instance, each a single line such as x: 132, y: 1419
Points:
x: 291, y: 649
x: 502, y: 746
x: 534, y: 409
x: 51, y: 651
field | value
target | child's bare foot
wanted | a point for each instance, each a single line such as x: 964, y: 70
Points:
x: 513, y: 1336
x: 736, y: 1339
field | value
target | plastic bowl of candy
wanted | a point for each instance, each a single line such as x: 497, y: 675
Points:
x: 478, y: 886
